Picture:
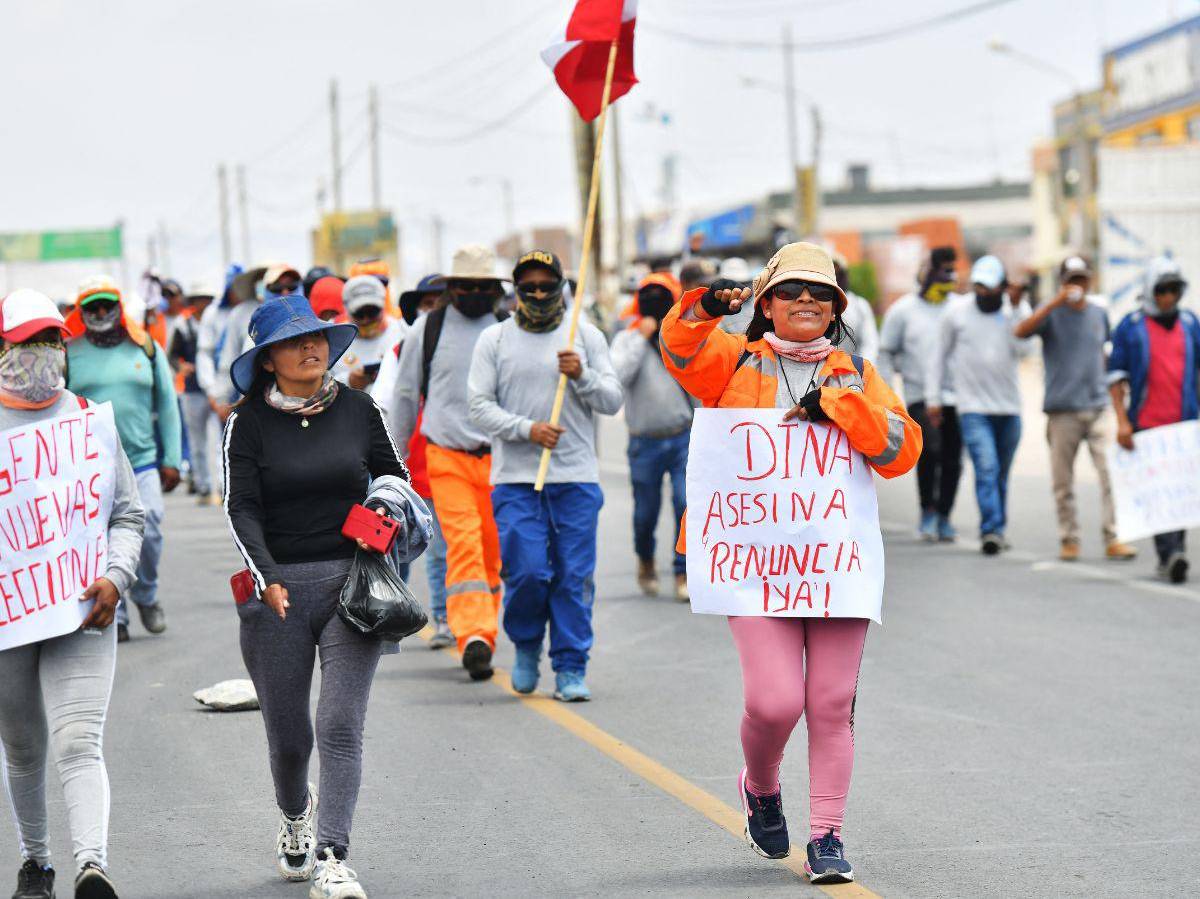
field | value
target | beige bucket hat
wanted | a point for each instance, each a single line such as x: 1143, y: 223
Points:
x: 803, y: 262
x: 474, y: 262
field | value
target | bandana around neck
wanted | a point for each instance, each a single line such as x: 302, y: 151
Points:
x: 295, y: 405
x: 800, y: 350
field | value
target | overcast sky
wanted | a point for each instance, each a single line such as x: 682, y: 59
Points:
x: 122, y: 109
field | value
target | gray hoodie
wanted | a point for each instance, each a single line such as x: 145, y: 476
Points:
x: 655, y: 404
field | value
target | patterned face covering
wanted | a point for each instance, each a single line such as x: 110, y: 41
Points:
x: 32, y: 374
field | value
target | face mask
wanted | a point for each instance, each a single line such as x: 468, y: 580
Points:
x: 475, y: 304
x: 938, y: 291
x: 540, y: 314
x: 989, y: 302
x: 100, y: 322
x: 31, y: 374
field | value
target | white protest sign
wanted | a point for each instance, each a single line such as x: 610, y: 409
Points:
x: 56, y: 495
x: 1156, y: 487
x: 782, y: 519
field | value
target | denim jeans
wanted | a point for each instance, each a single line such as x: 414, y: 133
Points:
x: 650, y: 459
x: 144, y: 591
x: 435, y: 566
x: 992, y: 442
x: 196, y: 413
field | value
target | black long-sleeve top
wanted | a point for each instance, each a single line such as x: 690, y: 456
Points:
x: 291, y: 486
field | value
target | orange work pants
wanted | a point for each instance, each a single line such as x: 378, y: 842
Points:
x: 462, y: 496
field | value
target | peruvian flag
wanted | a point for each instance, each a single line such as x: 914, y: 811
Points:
x: 579, y: 55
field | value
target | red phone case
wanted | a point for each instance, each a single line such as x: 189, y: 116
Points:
x: 377, y: 531
x: 242, y: 585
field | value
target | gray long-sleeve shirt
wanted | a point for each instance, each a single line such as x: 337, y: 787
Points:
x: 906, y: 342
x: 981, y: 352
x: 513, y: 378
x: 127, y: 520
x: 447, y: 420
x: 655, y: 404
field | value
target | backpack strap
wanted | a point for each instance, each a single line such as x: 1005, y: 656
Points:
x: 746, y: 354
x: 433, y: 333
x: 860, y: 364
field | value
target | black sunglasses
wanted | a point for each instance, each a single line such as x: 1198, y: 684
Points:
x: 367, y: 312
x: 1170, y: 287
x: 469, y: 286
x: 793, y: 290
x: 529, y: 288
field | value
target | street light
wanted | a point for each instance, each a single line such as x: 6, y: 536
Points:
x: 506, y: 189
x: 1083, y: 175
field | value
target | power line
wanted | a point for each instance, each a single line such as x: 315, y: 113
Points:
x: 463, y: 137
x: 831, y: 43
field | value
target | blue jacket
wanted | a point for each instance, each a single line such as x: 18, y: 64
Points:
x: 1130, y: 361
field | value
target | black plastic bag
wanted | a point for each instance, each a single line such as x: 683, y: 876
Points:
x: 375, y: 601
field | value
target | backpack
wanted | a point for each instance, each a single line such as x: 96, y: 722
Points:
x: 433, y: 333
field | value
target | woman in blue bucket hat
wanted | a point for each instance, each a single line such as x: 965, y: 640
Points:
x: 299, y: 452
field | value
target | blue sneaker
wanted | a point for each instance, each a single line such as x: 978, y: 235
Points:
x: 525, y: 669
x: 929, y: 527
x: 569, y: 687
x: 826, y: 861
x: 766, y: 828
x: 945, y: 530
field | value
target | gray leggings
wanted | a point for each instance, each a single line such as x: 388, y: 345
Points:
x: 56, y: 692
x: 279, y: 656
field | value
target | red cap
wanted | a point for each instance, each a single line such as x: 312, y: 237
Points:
x: 326, y: 295
x: 25, y: 312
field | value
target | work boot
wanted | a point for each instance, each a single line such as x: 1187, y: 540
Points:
x: 204, y: 498
x: 1116, y: 551
x: 647, y: 577
x: 122, y: 633
x: 477, y: 658
x: 442, y: 637
x: 1069, y: 551
x: 34, y: 881
x: 945, y: 530
x: 154, y: 619
x: 681, y: 589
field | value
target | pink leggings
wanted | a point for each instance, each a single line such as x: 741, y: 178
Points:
x: 793, y: 665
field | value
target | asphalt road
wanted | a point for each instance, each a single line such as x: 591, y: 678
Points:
x: 1023, y: 727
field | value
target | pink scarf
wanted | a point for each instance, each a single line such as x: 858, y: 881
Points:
x: 800, y: 350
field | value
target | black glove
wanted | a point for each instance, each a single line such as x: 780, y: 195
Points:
x: 709, y: 302
x: 811, y: 404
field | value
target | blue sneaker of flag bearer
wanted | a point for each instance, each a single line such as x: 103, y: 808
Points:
x: 580, y: 57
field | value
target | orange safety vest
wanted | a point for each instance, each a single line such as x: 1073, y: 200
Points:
x: 727, y: 371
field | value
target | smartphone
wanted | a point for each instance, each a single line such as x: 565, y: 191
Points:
x: 377, y: 531
x: 242, y: 585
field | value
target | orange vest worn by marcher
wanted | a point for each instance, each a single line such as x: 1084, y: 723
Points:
x: 726, y: 371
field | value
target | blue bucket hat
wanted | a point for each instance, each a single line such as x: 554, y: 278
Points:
x: 282, y: 319
x: 411, y: 299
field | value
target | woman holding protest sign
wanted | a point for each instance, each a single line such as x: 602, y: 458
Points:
x: 56, y: 689
x: 787, y: 359
x: 300, y: 450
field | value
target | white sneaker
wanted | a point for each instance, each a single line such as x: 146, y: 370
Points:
x: 296, y: 845
x: 331, y: 879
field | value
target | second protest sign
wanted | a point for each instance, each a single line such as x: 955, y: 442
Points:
x: 782, y: 519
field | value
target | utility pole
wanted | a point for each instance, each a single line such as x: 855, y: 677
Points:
x: 373, y: 116
x: 223, y: 205
x: 789, y: 93
x: 243, y: 213
x: 585, y: 154
x: 1087, y: 198
x: 335, y: 146
x: 618, y: 199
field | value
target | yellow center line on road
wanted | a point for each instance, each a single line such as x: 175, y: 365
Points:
x: 657, y: 774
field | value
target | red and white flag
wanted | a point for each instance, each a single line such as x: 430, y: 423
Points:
x: 579, y: 56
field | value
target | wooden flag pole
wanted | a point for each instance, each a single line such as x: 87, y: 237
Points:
x: 584, y: 256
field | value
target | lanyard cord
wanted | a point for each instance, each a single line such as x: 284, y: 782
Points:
x: 812, y: 381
